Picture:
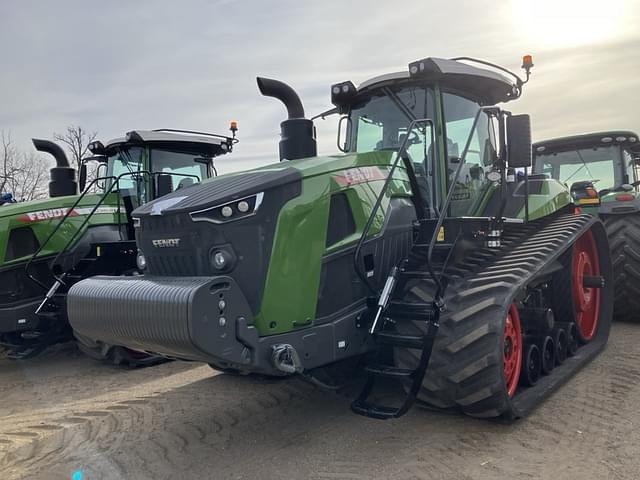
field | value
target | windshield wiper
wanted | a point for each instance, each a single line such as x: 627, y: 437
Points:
x: 584, y: 165
x: 400, y: 104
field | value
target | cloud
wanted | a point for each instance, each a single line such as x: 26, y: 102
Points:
x: 116, y: 66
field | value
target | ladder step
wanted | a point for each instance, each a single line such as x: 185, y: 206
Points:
x: 415, y: 273
x: 406, y: 341
x: 389, y: 371
x: 409, y: 311
x: 373, y: 411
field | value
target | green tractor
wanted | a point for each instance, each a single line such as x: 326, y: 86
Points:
x: 608, y: 160
x: 416, y: 251
x: 48, y: 245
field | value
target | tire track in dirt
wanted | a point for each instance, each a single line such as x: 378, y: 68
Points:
x: 228, y: 427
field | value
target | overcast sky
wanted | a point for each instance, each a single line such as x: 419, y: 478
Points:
x: 114, y: 66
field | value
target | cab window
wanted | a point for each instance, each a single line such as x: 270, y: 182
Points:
x: 182, y: 167
x: 472, y: 183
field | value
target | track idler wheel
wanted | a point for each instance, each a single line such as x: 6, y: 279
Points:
x: 572, y: 338
x: 532, y: 365
x: 512, y: 350
x: 586, y: 285
x: 548, y: 355
x: 561, y: 343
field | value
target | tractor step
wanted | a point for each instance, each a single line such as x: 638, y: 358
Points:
x: 399, y: 340
x: 389, y: 371
x: 373, y: 411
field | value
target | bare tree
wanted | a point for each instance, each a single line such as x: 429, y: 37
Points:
x: 29, y: 181
x: 77, y: 140
x: 9, y: 154
x: 22, y: 174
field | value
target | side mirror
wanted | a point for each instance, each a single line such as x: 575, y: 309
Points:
x: 101, y: 172
x: 519, y: 146
x: 164, y: 185
x: 343, y: 136
x: 82, y: 180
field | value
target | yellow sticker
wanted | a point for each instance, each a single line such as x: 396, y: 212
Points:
x: 440, y: 237
x: 589, y: 201
x: 98, y: 251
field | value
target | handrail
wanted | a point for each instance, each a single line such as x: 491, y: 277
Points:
x: 66, y: 216
x: 445, y: 208
x: 90, y: 215
x: 55, y: 230
x: 376, y: 206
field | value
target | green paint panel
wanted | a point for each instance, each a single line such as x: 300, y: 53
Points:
x: 34, y: 215
x: 293, y: 279
x: 552, y: 198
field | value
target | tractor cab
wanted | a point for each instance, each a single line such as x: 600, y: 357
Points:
x: 608, y: 160
x: 147, y: 164
x: 439, y: 116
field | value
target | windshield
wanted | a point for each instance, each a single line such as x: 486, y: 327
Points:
x: 380, y: 123
x: 129, y: 161
x: 600, y: 165
x: 472, y: 184
x: 182, y: 166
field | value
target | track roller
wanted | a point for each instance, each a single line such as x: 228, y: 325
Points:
x: 532, y: 365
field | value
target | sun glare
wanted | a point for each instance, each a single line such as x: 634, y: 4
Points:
x: 569, y: 23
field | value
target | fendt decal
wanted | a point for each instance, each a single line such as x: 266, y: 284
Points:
x: 166, y: 242
x: 54, y: 213
x: 357, y: 175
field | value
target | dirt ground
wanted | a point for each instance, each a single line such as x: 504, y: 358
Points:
x: 64, y: 416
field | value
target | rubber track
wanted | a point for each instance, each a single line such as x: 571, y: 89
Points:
x: 465, y: 370
x: 624, y: 240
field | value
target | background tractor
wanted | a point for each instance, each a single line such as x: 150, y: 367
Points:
x: 416, y: 250
x: 48, y: 245
x: 610, y: 161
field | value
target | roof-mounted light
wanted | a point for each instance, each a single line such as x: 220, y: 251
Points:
x: 606, y: 139
x: 621, y: 139
x: 96, y: 147
x: 423, y: 67
x: 541, y: 148
x: 342, y: 94
x: 133, y: 136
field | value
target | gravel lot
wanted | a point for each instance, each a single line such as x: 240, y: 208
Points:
x: 63, y: 413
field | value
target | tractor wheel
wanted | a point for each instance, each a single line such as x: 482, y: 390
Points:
x: 572, y: 301
x: 624, y: 240
x: 116, y: 355
x: 476, y: 362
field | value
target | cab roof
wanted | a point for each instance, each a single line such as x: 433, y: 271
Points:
x: 486, y: 86
x: 589, y: 140
x: 202, y: 143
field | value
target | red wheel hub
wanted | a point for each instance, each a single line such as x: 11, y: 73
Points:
x: 586, y: 301
x: 512, y: 350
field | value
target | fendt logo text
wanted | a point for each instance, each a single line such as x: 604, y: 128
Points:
x: 166, y: 242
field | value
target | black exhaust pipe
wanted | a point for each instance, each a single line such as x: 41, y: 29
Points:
x: 63, y: 177
x: 298, y: 136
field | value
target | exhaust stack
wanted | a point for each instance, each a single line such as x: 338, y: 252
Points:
x: 298, y: 136
x: 63, y: 177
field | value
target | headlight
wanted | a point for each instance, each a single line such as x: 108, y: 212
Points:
x: 222, y: 259
x: 228, y: 212
x: 141, y: 261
